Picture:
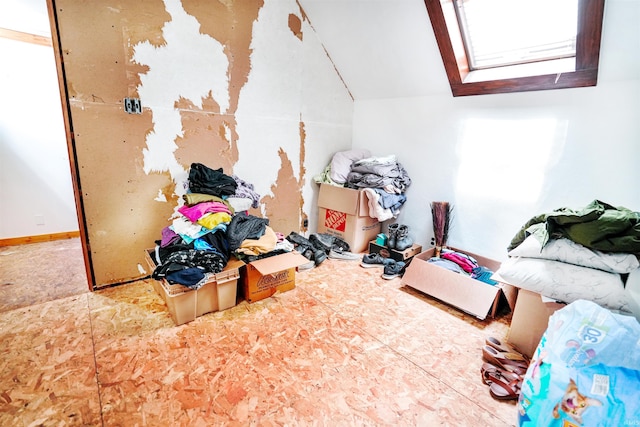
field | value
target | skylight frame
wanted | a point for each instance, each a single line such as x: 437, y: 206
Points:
x: 558, y: 75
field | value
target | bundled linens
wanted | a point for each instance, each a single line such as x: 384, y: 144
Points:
x: 341, y: 163
x: 568, y: 282
x: 585, y: 253
x: 566, y: 250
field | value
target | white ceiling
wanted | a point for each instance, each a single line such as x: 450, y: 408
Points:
x: 381, y: 48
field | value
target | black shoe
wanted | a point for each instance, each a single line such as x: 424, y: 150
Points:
x: 322, y: 241
x: 339, y: 245
x: 403, y: 240
x: 392, y: 231
x: 375, y: 260
x: 297, y: 239
x: 394, y: 270
x: 319, y: 255
x: 305, y: 251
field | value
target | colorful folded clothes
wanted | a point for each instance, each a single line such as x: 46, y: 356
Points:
x: 466, y: 262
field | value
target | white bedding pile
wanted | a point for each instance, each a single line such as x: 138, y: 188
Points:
x: 567, y: 271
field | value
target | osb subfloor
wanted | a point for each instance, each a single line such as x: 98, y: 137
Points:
x: 345, y: 348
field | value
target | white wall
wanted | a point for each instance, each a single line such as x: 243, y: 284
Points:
x: 501, y: 159
x: 35, y: 179
x: 304, y: 87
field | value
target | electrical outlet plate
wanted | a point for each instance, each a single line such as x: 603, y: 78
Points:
x: 132, y: 105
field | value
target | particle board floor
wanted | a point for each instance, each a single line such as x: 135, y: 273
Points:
x: 344, y: 348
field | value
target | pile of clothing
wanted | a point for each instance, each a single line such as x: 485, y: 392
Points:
x: 213, y: 224
x: 383, y: 179
x: 210, y: 226
x: 585, y: 253
x: 462, y: 263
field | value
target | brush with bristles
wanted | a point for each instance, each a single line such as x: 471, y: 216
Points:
x: 440, y: 213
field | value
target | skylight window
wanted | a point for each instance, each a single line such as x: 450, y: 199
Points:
x: 500, y: 46
x: 508, y: 32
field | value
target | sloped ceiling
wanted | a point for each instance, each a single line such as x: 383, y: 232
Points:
x: 381, y: 48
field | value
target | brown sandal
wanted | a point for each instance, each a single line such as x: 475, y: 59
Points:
x: 502, y: 346
x: 506, y: 360
x: 496, y: 374
x: 502, y: 390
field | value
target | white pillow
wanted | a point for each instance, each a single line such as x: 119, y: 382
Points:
x: 567, y: 282
x: 567, y: 250
x: 341, y: 163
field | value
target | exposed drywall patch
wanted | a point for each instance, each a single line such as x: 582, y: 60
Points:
x: 304, y: 218
x: 295, y: 25
x: 207, y: 104
x: 189, y: 66
x: 207, y: 138
x: 204, y: 140
x: 140, y: 25
x: 144, y: 21
x: 283, y: 208
x: 122, y: 216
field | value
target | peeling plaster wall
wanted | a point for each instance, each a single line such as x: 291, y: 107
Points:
x: 244, y: 86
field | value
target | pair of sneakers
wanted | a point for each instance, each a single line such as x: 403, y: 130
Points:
x: 333, y: 246
x: 391, y: 267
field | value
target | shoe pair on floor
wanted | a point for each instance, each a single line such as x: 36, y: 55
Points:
x: 391, y: 267
x: 503, y: 370
x: 318, y: 247
x: 333, y: 254
x: 398, y: 237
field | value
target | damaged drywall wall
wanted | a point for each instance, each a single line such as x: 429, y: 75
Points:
x: 244, y: 86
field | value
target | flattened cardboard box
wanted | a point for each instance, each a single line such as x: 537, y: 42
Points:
x: 265, y: 277
x: 385, y: 252
x: 530, y: 320
x: 344, y: 212
x: 469, y: 295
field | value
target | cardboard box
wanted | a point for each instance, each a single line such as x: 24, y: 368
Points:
x: 469, y: 295
x: 218, y: 293
x: 375, y: 248
x: 530, y: 320
x: 265, y: 277
x: 344, y: 212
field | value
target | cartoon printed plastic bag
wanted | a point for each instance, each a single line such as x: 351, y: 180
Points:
x: 585, y: 371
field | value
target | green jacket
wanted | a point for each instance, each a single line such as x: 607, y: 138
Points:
x: 598, y: 226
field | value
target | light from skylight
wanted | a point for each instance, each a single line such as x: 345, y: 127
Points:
x: 507, y: 32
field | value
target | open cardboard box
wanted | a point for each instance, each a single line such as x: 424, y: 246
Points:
x: 264, y: 277
x: 344, y: 212
x: 469, y: 295
x: 530, y: 320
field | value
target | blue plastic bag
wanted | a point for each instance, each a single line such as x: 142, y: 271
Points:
x: 585, y: 371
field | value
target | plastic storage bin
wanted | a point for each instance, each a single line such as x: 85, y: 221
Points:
x: 218, y: 293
